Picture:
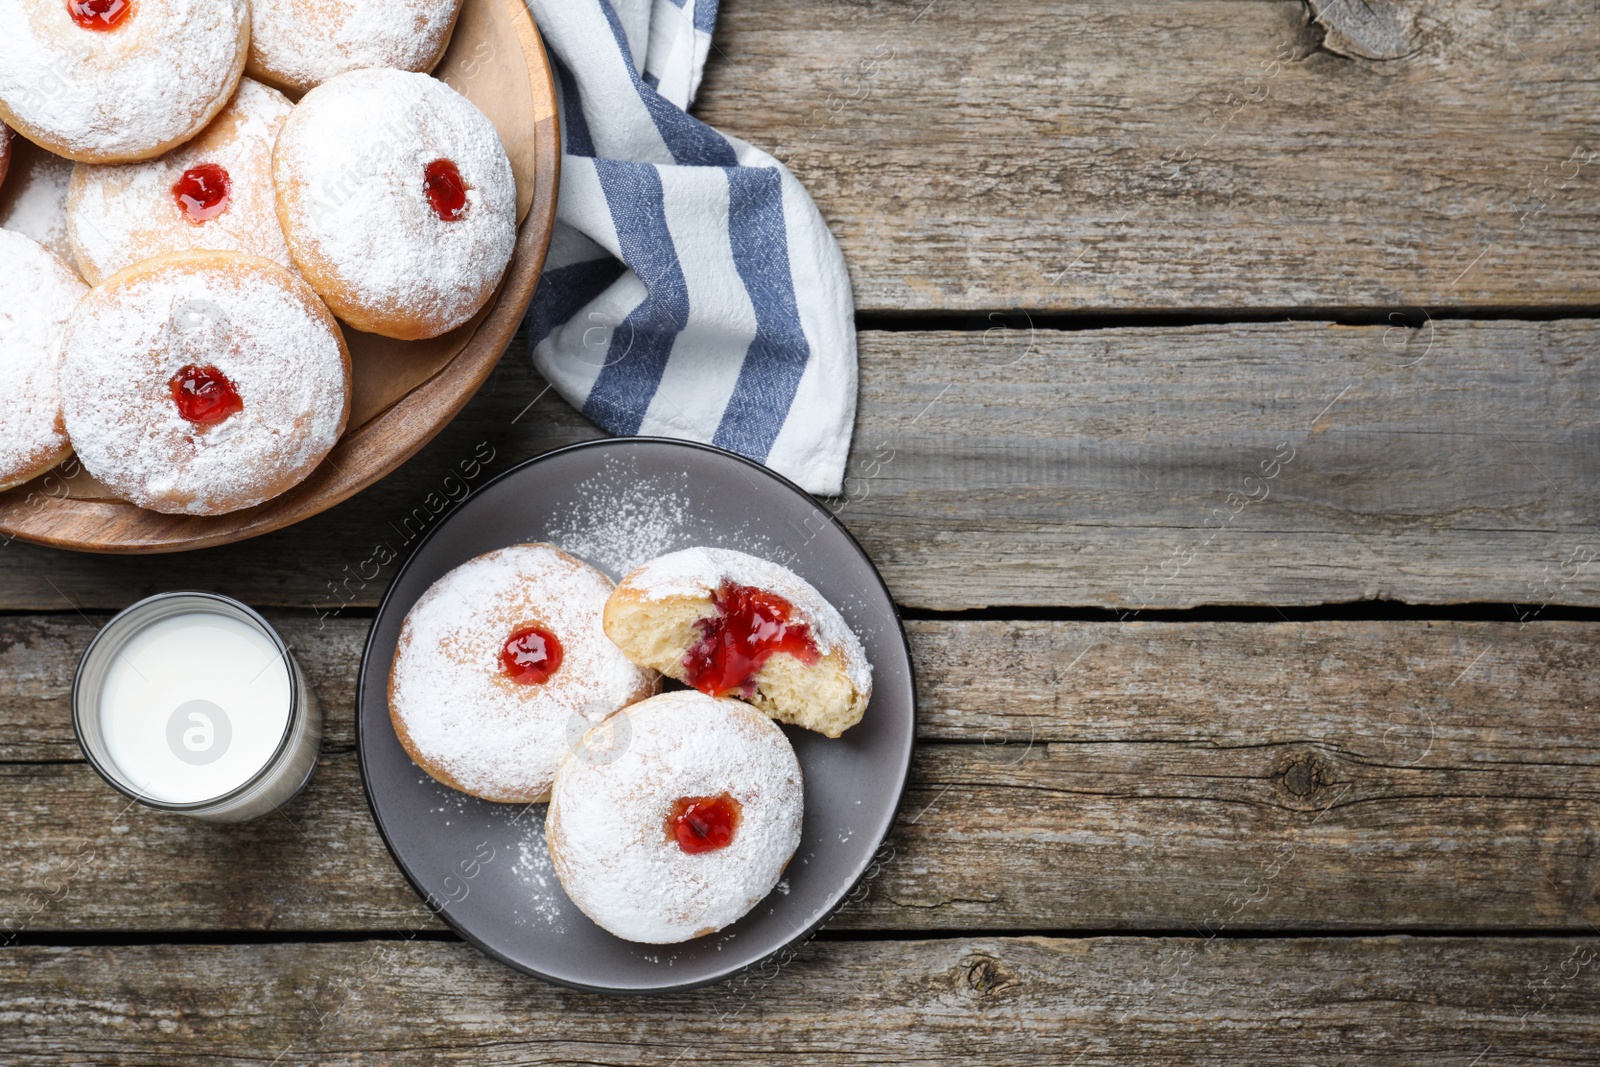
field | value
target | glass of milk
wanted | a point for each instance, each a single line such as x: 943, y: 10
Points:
x: 192, y: 703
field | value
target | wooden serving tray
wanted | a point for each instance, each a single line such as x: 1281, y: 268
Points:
x: 404, y: 391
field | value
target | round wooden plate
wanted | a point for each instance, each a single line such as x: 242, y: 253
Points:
x: 405, y: 392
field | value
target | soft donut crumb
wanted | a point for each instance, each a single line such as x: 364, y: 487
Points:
x: 653, y: 613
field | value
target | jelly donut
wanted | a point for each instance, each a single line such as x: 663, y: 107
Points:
x: 200, y: 383
x: 398, y: 201
x: 501, y: 667
x: 114, y: 81
x: 215, y: 192
x: 5, y: 150
x: 297, y: 46
x: 734, y: 625
x: 37, y: 294
x: 675, y: 817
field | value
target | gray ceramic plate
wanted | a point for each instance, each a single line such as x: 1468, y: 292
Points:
x: 616, y: 503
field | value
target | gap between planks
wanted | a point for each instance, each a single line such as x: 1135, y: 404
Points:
x: 1242, y: 777
x: 1133, y: 470
x: 983, y: 1000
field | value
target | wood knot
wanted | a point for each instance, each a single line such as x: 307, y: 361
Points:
x: 1377, y: 30
x: 988, y: 977
x: 1302, y: 774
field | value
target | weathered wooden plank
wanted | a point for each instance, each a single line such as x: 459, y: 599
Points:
x: 1388, y: 691
x: 39, y: 655
x: 1261, y: 463
x: 1443, y: 1001
x: 1286, y: 463
x: 1110, y: 836
x: 1206, y: 153
x: 1144, y: 776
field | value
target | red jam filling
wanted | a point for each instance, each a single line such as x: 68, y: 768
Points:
x: 704, y: 824
x: 204, y: 395
x: 99, y: 14
x: 531, y: 655
x: 204, y: 192
x: 446, y: 191
x: 750, y: 625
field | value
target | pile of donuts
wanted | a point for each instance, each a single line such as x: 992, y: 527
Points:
x: 183, y: 338
x: 525, y: 675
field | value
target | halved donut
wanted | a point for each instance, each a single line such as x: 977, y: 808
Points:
x: 731, y: 624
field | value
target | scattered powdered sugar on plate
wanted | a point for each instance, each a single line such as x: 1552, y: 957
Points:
x: 618, y: 520
x: 450, y: 801
x: 538, y: 876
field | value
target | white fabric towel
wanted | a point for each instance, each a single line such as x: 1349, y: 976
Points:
x: 692, y: 288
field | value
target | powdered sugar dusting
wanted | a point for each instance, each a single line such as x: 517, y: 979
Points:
x: 351, y: 163
x: 538, y: 878
x: 302, y: 43
x: 37, y: 294
x: 616, y: 521
x: 120, y: 215
x: 121, y: 95
x: 496, y: 738
x: 254, y: 322
x: 33, y: 200
x: 699, y: 572
x: 607, y: 820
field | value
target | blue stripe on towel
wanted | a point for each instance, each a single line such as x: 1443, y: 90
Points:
x: 777, y: 357
x: 641, y: 344
x: 705, y: 14
x: 564, y: 290
x: 573, y: 123
x: 691, y: 142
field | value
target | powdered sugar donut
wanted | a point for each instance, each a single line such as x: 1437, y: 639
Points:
x: 37, y: 294
x: 5, y: 150
x: 203, y: 382
x: 676, y: 817
x: 113, y: 81
x: 398, y: 201
x: 297, y: 45
x: 731, y: 624
x: 502, y: 666
x: 215, y: 192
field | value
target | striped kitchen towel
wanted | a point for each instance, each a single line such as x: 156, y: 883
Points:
x: 692, y: 289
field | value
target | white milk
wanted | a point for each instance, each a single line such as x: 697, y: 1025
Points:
x: 194, y: 706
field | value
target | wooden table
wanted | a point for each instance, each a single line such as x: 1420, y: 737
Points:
x: 1251, y: 570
